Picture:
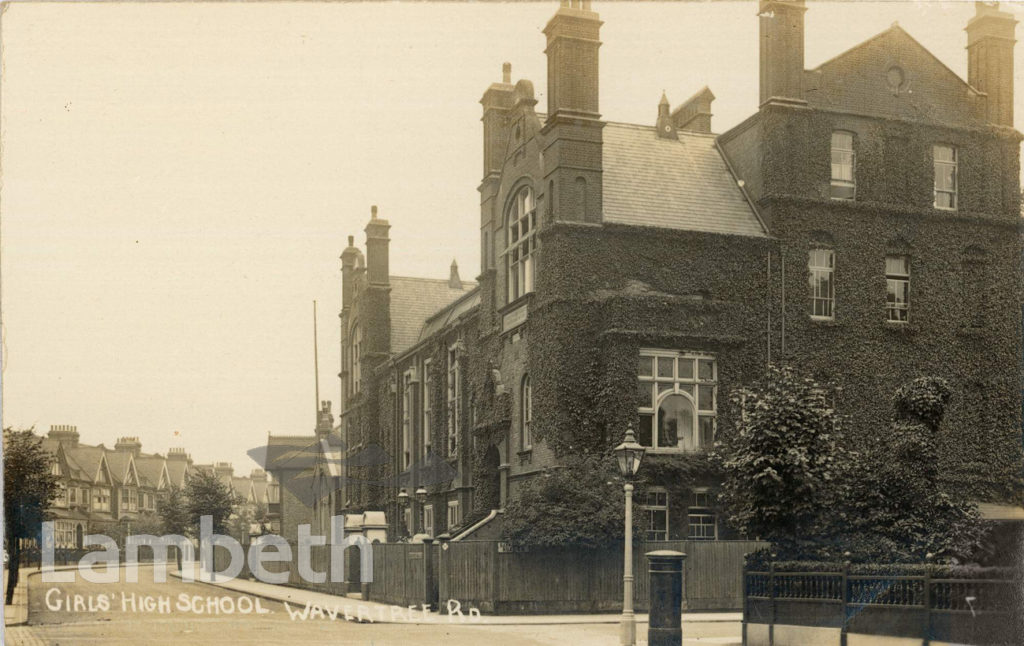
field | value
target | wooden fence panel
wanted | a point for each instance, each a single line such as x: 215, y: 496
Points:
x: 468, y: 574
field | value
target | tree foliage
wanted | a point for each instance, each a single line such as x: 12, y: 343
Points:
x: 207, y: 496
x: 29, y: 488
x: 581, y: 504
x: 901, y: 508
x: 174, y: 513
x: 783, y: 462
x: 790, y: 479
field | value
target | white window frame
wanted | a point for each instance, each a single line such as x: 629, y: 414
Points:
x: 520, y: 250
x: 848, y: 157
x: 526, y: 414
x: 944, y: 164
x: 821, y: 261
x: 454, y: 514
x: 355, y: 348
x: 648, y: 507
x: 693, y: 387
x: 454, y: 403
x: 897, y: 309
x: 427, y: 406
x: 699, y: 511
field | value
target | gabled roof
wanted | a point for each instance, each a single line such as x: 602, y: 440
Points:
x: 89, y: 460
x: 259, y: 490
x: 242, y: 486
x: 685, y: 184
x: 122, y: 467
x: 152, y: 470
x: 176, y: 470
x: 413, y: 301
x: 857, y: 81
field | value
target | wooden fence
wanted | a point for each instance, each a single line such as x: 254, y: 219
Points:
x: 495, y: 579
x: 480, y: 574
x: 960, y: 610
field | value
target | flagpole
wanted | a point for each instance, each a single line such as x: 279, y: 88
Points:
x: 316, y: 368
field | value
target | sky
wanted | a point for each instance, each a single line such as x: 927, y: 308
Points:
x: 177, y: 181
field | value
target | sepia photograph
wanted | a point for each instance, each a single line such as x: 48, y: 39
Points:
x: 625, y: 323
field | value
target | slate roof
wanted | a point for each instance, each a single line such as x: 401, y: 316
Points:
x: 685, y: 184
x: 176, y: 472
x: 149, y: 468
x: 450, y: 313
x: 413, y: 301
x: 290, y: 452
x: 118, y: 462
x: 86, y: 459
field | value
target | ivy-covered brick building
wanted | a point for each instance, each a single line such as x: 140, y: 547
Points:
x: 861, y: 225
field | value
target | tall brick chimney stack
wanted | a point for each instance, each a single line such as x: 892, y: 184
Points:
x: 351, y: 258
x: 990, y: 40
x: 64, y: 433
x: 325, y: 420
x: 177, y: 453
x: 573, y: 156
x: 223, y: 470
x: 782, y: 50
x: 377, y: 249
x: 496, y: 101
x: 129, y: 445
x: 573, y: 40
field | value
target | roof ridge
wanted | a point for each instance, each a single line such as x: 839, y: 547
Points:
x: 432, y: 280
x: 652, y: 127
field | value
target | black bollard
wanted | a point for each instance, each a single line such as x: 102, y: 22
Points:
x: 665, y: 627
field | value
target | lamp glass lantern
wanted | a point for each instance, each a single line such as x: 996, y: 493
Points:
x: 629, y: 454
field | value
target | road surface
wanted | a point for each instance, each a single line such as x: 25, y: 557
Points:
x: 174, y: 612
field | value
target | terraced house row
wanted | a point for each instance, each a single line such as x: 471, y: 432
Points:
x: 863, y: 224
x: 118, y: 491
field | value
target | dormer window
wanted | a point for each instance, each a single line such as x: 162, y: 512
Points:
x: 844, y: 183
x: 521, y: 250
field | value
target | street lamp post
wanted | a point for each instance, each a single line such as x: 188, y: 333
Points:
x: 629, y: 454
x: 403, y: 503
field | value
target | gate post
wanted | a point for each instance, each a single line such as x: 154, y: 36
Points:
x: 664, y: 626
x: 429, y: 575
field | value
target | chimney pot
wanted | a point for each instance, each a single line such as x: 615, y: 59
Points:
x: 351, y: 241
x: 454, y: 282
x: 506, y: 73
x: 373, y: 212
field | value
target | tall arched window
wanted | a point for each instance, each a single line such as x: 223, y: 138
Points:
x: 526, y: 416
x: 520, y: 253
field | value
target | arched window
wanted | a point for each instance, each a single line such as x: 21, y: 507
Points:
x: 520, y: 253
x: 677, y: 400
x: 526, y: 416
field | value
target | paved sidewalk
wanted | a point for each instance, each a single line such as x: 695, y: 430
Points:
x: 370, y: 611
x: 22, y: 636
x: 17, y: 613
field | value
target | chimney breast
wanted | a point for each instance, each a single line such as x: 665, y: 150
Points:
x: 782, y: 49
x: 377, y: 249
x: 573, y: 40
x: 990, y: 40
